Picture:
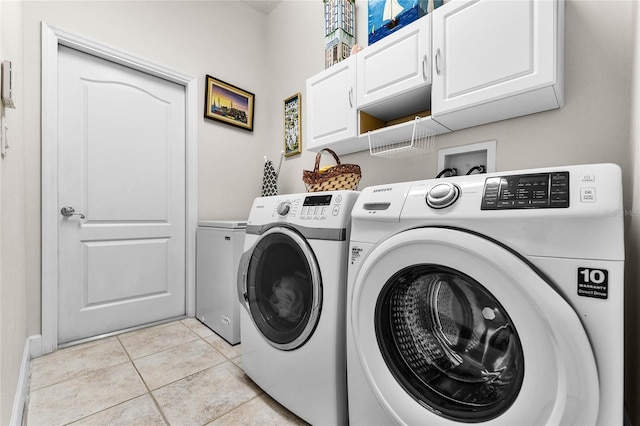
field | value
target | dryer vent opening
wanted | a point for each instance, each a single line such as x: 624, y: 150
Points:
x: 449, y: 343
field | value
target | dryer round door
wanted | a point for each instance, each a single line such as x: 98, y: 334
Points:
x: 451, y: 327
x: 280, y: 286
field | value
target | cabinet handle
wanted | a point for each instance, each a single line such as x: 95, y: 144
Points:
x: 438, y: 61
x: 351, y: 97
x: 425, y: 63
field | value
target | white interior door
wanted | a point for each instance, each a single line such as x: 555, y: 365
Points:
x: 121, y: 164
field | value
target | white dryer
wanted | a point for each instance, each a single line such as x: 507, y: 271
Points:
x: 488, y: 299
x: 292, y: 283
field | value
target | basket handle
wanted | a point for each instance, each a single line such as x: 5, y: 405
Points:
x: 316, y: 167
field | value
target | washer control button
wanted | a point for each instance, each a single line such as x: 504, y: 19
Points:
x: 442, y: 195
x: 588, y: 195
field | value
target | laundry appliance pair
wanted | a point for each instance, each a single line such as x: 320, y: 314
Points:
x: 488, y: 299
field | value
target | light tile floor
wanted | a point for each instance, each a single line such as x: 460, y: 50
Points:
x: 179, y: 373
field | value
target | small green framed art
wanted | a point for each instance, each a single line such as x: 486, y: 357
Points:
x: 293, y: 125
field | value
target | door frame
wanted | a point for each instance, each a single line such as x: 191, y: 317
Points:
x: 52, y: 37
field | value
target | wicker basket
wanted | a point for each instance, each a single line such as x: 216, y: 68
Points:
x: 337, y: 177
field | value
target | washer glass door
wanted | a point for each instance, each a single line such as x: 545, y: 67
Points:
x: 283, y: 288
x: 450, y: 327
x: 449, y: 342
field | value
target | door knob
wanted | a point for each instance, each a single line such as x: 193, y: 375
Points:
x: 69, y: 211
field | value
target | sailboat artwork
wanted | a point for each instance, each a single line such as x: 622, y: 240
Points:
x: 388, y: 16
x: 391, y: 11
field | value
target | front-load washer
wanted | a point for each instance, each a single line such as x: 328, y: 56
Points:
x: 292, y: 283
x: 488, y: 299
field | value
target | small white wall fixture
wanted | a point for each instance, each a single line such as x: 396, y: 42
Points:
x: 465, y: 157
x: 52, y: 37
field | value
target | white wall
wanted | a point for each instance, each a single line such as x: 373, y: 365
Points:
x: 272, y: 56
x: 13, y: 305
x: 632, y: 293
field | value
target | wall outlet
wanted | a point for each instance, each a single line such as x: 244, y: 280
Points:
x: 465, y: 157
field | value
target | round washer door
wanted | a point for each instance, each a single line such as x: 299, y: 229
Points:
x: 451, y: 328
x: 281, y: 287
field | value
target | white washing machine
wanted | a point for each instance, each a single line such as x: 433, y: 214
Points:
x: 292, y: 283
x: 488, y: 299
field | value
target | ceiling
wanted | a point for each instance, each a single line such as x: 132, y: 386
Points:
x: 264, y: 6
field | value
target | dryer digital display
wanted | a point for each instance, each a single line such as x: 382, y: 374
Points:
x: 539, y: 190
x: 317, y: 200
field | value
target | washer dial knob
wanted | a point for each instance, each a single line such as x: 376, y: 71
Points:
x: 283, y: 208
x: 442, y: 195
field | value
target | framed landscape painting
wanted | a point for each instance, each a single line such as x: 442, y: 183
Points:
x: 228, y: 104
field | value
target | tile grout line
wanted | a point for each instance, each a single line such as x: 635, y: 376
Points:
x: 150, y: 392
x: 261, y: 392
x: 157, y: 405
x: 129, y: 360
x: 164, y: 349
x: 219, y: 344
x: 229, y: 360
x: 55, y: 355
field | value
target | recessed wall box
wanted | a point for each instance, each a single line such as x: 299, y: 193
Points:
x: 464, y: 158
x: 7, y: 85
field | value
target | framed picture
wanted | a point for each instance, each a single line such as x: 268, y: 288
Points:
x: 388, y: 16
x: 228, y: 104
x: 292, y: 125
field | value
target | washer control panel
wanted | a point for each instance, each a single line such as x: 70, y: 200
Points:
x: 537, y: 190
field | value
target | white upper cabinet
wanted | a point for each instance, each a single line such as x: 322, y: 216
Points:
x: 331, y: 106
x: 469, y: 62
x: 396, y: 66
x: 495, y: 60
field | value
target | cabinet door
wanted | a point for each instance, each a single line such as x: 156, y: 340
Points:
x: 331, y: 105
x: 396, y: 64
x: 486, y: 50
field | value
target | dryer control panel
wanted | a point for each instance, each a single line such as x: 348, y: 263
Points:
x: 331, y: 209
x: 320, y: 206
x: 536, y: 190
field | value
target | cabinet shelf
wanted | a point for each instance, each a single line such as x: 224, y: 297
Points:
x: 390, y: 139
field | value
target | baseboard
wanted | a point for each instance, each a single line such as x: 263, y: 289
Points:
x: 32, y: 349
x: 36, y: 345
